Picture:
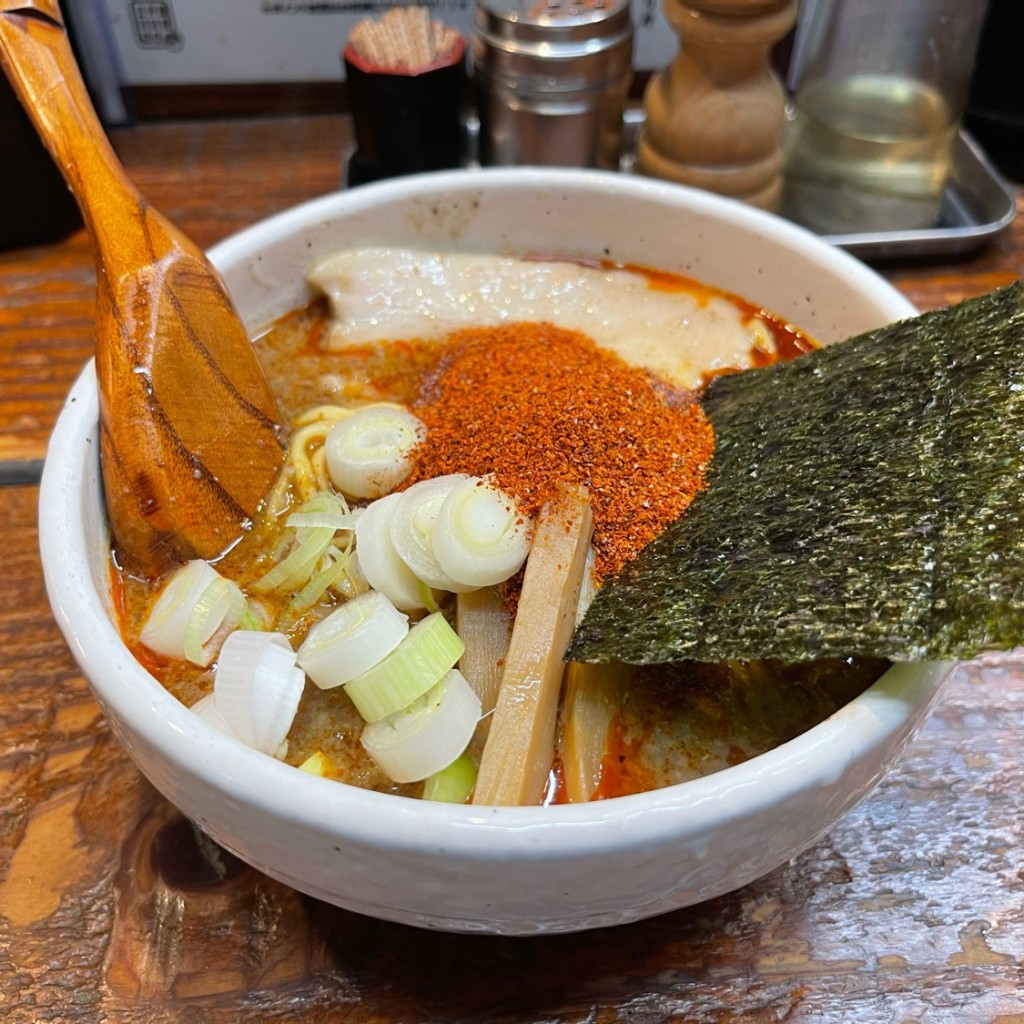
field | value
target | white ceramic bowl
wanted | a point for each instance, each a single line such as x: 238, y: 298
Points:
x: 505, y: 870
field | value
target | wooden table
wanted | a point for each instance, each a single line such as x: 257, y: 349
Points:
x: 911, y: 910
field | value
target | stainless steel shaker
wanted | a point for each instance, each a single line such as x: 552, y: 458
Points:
x: 552, y: 80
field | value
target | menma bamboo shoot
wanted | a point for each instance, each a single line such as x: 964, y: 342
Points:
x: 484, y: 625
x: 520, y: 745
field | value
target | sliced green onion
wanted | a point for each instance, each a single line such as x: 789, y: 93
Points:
x: 480, y: 539
x: 413, y: 527
x: 217, y: 612
x: 352, y: 582
x: 335, y: 520
x: 355, y: 637
x: 300, y: 562
x: 206, y: 708
x: 258, y: 687
x: 322, y: 581
x: 427, y: 597
x: 250, y: 620
x: 378, y: 560
x: 294, y: 571
x: 324, y: 502
x: 429, y: 735
x: 431, y: 648
x: 451, y: 785
x: 368, y: 454
x: 189, y: 616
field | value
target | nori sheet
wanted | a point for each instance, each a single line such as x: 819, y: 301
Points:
x: 866, y: 498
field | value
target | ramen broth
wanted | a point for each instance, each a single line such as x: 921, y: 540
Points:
x: 668, y: 724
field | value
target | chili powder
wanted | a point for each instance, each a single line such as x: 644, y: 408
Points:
x: 535, y: 406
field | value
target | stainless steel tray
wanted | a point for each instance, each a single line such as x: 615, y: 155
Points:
x: 976, y: 206
x: 977, y: 203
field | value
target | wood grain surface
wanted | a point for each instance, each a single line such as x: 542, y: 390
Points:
x: 209, y: 178
x: 112, y: 910
x: 190, y: 432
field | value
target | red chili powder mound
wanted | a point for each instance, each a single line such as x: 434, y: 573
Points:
x: 537, y: 406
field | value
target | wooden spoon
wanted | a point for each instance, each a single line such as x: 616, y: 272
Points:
x: 189, y: 433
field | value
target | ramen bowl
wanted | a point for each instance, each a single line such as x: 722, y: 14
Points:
x: 508, y: 870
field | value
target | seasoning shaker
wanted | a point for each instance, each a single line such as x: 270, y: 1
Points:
x: 552, y: 80
x: 881, y: 90
x: 405, y: 76
x: 715, y: 115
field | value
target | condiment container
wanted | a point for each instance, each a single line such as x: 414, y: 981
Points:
x: 406, y: 78
x: 881, y: 92
x: 714, y: 117
x: 552, y: 80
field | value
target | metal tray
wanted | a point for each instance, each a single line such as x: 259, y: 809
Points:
x: 976, y: 206
x: 977, y: 203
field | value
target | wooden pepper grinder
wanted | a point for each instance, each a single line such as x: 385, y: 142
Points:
x: 715, y: 115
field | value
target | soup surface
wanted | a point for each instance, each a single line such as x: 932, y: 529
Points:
x: 497, y: 358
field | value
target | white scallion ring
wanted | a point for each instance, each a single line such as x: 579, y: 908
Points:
x: 480, y: 538
x: 426, y: 737
x: 194, y: 612
x: 258, y: 687
x: 206, y: 709
x: 368, y: 454
x: 413, y: 526
x: 425, y: 654
x: 353, y: 638
x: 378, y: 560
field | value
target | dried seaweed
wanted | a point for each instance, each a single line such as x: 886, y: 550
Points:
x: 866, y: 498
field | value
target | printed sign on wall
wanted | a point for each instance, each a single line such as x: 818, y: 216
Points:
x: 165, y: 42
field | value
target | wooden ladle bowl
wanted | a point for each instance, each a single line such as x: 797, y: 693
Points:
x: 189, y: 428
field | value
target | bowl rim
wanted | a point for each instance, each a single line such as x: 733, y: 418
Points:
x: 280, y: 790
x: 238, y: 246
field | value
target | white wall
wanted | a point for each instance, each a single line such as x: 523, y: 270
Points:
x: 287, y: 40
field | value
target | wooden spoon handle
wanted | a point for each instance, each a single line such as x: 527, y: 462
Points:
x: 189, y: 433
